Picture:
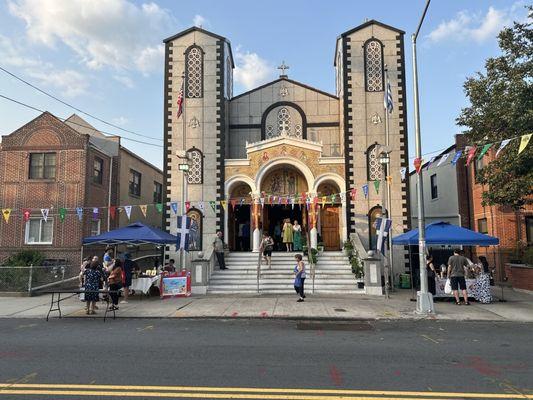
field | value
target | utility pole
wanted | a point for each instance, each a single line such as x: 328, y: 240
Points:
x: 424, y: 300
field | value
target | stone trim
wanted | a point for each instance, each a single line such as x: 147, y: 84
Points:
x: 220, y: 147
x: 279, y: 140
x: 167, y: 120
x: 348, y: 135
x: 332, y: 124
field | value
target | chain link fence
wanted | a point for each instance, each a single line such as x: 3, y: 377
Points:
x: 31, y: 278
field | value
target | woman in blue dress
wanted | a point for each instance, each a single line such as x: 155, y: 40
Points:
x: 91, y: 281
x: 299, y: 278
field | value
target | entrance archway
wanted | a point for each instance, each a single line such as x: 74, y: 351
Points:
x: 330, y: 217
x: 239, y: 217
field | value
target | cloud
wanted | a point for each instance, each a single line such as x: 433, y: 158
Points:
x: 105, y: 33
x: 121, y: 121
x: 200, y: 21
x: 473, y: 26
x: 251, y: 70
x: 68, y: 82
x: 125, y: 80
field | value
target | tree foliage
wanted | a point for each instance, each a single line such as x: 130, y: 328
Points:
x: 501, y: 107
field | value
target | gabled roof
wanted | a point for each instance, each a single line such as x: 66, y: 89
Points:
x: 43, y: 115
x: 359, y: 27
x: 287, y: 80
x: 197, y: 29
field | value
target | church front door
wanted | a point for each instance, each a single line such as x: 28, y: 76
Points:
x: 330, y: 227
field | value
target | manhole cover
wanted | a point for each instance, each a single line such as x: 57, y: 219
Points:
x: 334, y: 326
x: 339, y: 309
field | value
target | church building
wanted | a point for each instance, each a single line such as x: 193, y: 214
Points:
x: 286, y: 149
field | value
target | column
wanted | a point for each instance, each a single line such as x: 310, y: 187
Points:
x: 256, y: 224
x: 313, y: 232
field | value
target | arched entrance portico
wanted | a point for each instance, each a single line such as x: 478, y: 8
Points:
x: 238, y: 216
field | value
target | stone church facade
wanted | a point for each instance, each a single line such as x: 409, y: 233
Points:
x: 264, y: 149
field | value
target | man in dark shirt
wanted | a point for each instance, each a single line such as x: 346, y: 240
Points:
x: 456, y: 273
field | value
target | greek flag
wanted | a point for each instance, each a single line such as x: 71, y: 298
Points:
x: 382, y: 228
x: 183, y: 234
x: 387, y: 99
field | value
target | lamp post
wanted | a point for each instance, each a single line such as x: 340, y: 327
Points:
x: 183, y: 167
x: 384, y: 160
x: 424, y: 300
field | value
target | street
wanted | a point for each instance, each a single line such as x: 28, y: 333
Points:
x: 167, y: 358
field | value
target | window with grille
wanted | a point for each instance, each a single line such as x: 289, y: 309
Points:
x: 158, y: 192
x: 373, y: 66
x: 39, y: 231
x: 372, y: 163
x: 284, y: 121
x: 98, y: 170
x: 135, y: 183
x: 42, y: 165
x: 195, y: 175
x: 194, y: 61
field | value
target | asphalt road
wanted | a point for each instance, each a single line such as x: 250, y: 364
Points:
x: 204, y: 358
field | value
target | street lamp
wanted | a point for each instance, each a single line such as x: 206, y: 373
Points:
x: 183, y: 167
x: 424, y: 300
x: 384, y: 160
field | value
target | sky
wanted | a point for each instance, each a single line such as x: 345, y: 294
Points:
x: 105, y: 57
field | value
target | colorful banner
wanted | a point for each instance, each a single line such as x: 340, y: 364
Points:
x: 44, y: 213
x: 403, y: 172
x: 62, y: 214
x: 223, y: 203
x: 484, y: 150
x: 187, y: 206
x: 79, y: 212
x: 159, y: 207
x: 365, y: 190
x: 376, y: 186
x: 201, y: 206
x: 128, y: 211
x: 213, y: 205
x: 443, y: 159
x: 144, y: 209
x: 524, y: 140
x: 112, y: 212
x: 6, y: 212
x: 457, y: 156
x: 418, y: 164
x: 471, y: 155
x: 431, y: 160
x: 503, y: 144
x: 174, y: 207
x: 95, y: 213
x: 26, y: 214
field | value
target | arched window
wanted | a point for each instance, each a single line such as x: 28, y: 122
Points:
x: 194, y: 62
x: 284, y: 121
x: 196, y: 168
x: 373, y: 167
x: 373, y: 50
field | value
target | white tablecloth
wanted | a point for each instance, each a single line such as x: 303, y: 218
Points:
x: 439, y: 286
x: 144, y: 284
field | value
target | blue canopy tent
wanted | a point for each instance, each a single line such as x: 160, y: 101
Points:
x: 133, y: 234
x: 444, y: 233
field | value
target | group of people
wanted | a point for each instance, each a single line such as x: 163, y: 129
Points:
x: 289, y: 234
x: 112, y: 274
x: 457, y: 268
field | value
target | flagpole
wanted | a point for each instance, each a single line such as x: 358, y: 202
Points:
x: 184, y: 175
x: 386, y: 172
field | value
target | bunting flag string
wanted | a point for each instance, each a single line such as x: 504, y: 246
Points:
x: 376, y: 185
x: 523, y: 142
x: 471, y: 155
x: 44, y: 213
x: 128, y: 211
x: 144, y: 209
x: 62, y: 214
x: 6, y: 212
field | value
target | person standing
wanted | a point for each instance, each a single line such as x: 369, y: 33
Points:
x: 431, y: 275
x: 128, y: 275
x: 277, y: 235
x: 481, y: 289
x: 91, y: 281
x: 297, y: 229
x: 267, y: 245
x: 299, y: 278
x: 115, y: 283
x: 219, y: 247
x: 108, y: 259
x: 456, y: 272
x: 287, y: 234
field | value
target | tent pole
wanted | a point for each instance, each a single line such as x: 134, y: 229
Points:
x: 413, y: 293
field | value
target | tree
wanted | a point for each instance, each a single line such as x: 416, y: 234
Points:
x: 501, y: 107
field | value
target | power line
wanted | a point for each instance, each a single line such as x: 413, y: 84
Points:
x: 74, y: 123
x: 76, y: 108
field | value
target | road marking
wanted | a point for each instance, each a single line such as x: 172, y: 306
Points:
x: 428, y: 338
x: 233, y: 392
x: 146, y: 328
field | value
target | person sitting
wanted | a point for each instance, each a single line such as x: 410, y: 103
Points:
x: 115, y: 283
x: 170, y: 267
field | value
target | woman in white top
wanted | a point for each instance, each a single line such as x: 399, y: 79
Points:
x: 297, y: 236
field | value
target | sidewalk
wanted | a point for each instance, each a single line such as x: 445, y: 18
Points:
x: 517, y: 308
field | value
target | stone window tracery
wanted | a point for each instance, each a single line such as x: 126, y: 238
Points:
x: 269, y: 132
x: 373, y: 65
x: 194, y: 62
x: 374, y: 170
x: 196, y: 173
x: 284, y: 121
x: 298, y: 131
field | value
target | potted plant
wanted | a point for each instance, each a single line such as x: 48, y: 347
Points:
x: 313, y: 257
x: 347, y: 246
x: 357, y: 269
x: 320, y: 248
x: 304, y: 249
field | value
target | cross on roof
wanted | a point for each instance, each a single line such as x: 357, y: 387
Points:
x: 283, y: 67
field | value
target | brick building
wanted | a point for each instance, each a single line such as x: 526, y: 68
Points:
x: 52, y: 164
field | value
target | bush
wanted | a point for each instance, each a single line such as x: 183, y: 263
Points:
x: 25, y: 258
x: 527, y: 257
x: 313, y: 256
x: 357, y: 266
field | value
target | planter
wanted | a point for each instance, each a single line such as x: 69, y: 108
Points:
x: 520, y: 276
x: 360, y: 285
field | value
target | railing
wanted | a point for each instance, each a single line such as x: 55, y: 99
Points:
x: 35, y: 277
x: 258, y: 268
x: 310, y: 257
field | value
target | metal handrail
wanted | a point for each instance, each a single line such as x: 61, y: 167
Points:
x: 258, y: 268
x: 309, y: 261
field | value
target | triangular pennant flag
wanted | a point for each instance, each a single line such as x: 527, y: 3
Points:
x: 471, y: 155
x: 26, y: 214
x: 159, y: 207
x: 128, y: 211
x: 112, y: 211
x: 456, y: 157
x: 280, y: 199
x: 418, y: 164
x: 242, y: 201
x: 6, y: 212
x: 144, y: 209
x: 443, y: 159
x: 213, y: 205
x: 62, y: 214
x: 292, y: 202
x: 524, y: 140
x: 187, y: 206
x: 201, y: 206
x: 502, y: 145
x: 343, y: 197
x: 324, y: 199
x: 484, y: 150
x: 233, y: 202
x: 403, y: 171
x: 79, y: 212
x: 223, y: 203
x: 308, y: 203
x: 174, y: 207
x: 365, y: 190
x: 44, y: 213
x: 431, y: 160
x: 262, y: 201
x: 333, y: 198
x: 353, y: 193
x: 95, y: 213
x: 389, y: 179
x: 376, y: 185
x: 304, y: 196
